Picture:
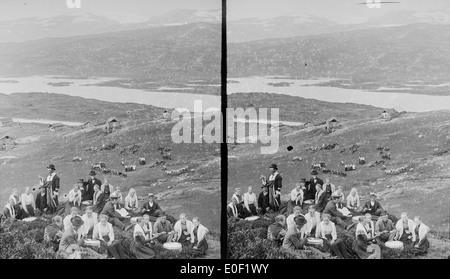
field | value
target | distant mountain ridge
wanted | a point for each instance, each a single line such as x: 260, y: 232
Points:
x: 77, y: 24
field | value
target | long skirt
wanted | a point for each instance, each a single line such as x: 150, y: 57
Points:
x: 202, y: 247
x: 424, y: 244
x: 371, y: 251
x: 30, y: 211
x: 140, y: 251
x: 183, y: 240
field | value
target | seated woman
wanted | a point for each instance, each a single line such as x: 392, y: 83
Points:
x: 353, y: 202
x: 340, y: 192
x: 9, y: 212
x: 104, y: 231
x: 263, y: 204
x: 327, y: 231
x: 405, y: 229
x: 296, y: 197
x: 28, y: 203
x: 232, y: 209
x: 321, y: 199
x: 312, y: 220
x: 73, y: 199
x: 183, y: 229
x: 328, y: 189
x: 90, y: 220
x: 277, y: 230
x: 421, y: 244
x: 198, y: 238
x: 363, y: 245
x: 138, y: 246
x: 131, y: 202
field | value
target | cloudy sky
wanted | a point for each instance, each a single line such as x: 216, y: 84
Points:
x: 125, y: 10
x: 342, y: 11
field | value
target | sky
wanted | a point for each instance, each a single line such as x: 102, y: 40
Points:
x: 124, y: 10
x: 342, y: 11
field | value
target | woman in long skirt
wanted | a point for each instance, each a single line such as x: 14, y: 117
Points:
x: 199, y: 243
x: 363, y: 245
x: 421, y: 244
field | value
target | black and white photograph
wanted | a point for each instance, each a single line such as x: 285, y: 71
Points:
x: 345, y: 150
x: 90, y: 165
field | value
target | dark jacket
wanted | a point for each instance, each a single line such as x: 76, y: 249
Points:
x: 41, y: 202
x: 109, y: 211
x: 373, y: 208
x: 322, y: 203
x: 88, y: 193
x: 310, y: 192
x: 332, y: 210
x: 151, y: 210
x: 101, y: 201
x: 263, y: 202
x: 230, y: 211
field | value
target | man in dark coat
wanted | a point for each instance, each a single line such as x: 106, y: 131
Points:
x: 263, y: 201
x: 98, y: 200
x: 373, y: 207
x: 336, y: 216
x: 274, y: 184
x: 309, y: 193
x: 41, y: 201
x: 110, y: 210
x: 88, y: 193
x: 51, y: 185
x: 151, y: 208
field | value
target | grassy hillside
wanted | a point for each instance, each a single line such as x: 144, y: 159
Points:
x: 36, y: 147
x: 417, y: 141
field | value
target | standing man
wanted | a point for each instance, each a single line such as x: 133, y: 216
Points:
x: 310, y: 187
x: 88, y: 193
x: 274, y: 183
x: 239, y: 202
x: 51, y: 184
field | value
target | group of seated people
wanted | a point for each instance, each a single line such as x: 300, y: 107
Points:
x: 105, y: 209
x: 327, y: 207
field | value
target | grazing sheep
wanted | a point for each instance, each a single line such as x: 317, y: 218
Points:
x: 349, y: 167
x: 141, y: 161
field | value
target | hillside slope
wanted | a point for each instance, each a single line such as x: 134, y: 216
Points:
x: 142, y: 133
x: 418, y: 141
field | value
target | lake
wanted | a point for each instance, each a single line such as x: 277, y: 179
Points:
x: 86, y: 88
x: 306, y: 89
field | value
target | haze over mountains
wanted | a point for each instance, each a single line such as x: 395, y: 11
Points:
x: 76, y: 24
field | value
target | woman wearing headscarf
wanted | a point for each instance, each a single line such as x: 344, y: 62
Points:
x: 198, y: 238
x: 274, y: 182
x: 405, y: 229
x: 277, y: 230
x: 421, y: 244
x: 296, y: 198
x: 131, y: 202
x: 137, y: 246
x: 363, y: 245
x: 353, y: 201
x: 183, y: 229
x: 328, y: 189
